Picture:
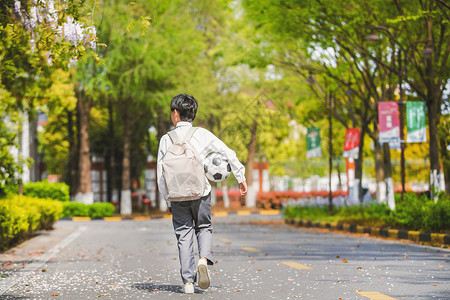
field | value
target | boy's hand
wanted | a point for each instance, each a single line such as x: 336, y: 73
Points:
x: 243, y: 188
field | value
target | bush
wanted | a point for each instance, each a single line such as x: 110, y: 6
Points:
x: 20, y: 216
x: 418, y: 212
x: 95, y: 210
x: 306, y: 212
x: 50, y: 211
x: 415, y: 212
x: 75, y: 209
x: 46, y: 190
x: 13, y: 223
x: 101, y: 210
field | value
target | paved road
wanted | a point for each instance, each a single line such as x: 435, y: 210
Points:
x: 138, y: 260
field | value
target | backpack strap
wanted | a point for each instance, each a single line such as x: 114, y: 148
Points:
x: 189, y: 134
x: 173, y: 136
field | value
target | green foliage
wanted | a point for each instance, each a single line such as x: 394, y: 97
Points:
x: 415, y: 212
x: 74, y: 209
x: 46, y: 190
x: 421, y: 213
x: 101, y: 210
x: 368, y: 215
x: 95, y: 210
x: 13, y: 223
x: 305, y: 212
x: 20, y: 216
x: 331, y: 39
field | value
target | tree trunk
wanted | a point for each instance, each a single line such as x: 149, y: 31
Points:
x: 250, y: 200
x: 388, y: 176
x: 380, y: 174
x: 433, y: 120
x: 84, y: 193
x: 338, y: 170
x: 113, y: 195
x: 359, y: 167
x: 433, y: 105
x: 73, y: 182
x: 125, y: 199
x: 34, y: 153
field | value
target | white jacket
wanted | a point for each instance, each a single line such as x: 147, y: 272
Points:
x: 204, y: 142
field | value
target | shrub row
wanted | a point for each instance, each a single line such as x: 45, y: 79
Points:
x: 20, y: 216
x: 95, y: 210
x: 418, y: 212
x: 43, y: 190
x: 415, y: 212
x: 46, y: 190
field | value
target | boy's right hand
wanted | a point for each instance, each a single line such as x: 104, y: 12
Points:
x: 243, y: 188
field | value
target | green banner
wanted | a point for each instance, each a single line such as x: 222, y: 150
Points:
x: 313, y: 148
x: 416, y: 122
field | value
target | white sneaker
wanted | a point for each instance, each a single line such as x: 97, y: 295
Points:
x: 203, y: 275
x: 189, y: 288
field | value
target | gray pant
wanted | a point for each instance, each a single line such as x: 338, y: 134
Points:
x: 189, y: 217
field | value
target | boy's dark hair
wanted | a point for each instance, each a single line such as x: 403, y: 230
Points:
x: 186, y: 106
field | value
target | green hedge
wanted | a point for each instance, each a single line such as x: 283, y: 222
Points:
x: 415, y: 212
x: 101, y: 210
x: 95, y: 210
x: 46, y: 190
x: 75, y: 209
x: 20, y: 216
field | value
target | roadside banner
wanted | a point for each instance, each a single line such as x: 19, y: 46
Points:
x: 313, y: 148
x: 415, y: 122
x: 351, y: 145
x: 389, y: 124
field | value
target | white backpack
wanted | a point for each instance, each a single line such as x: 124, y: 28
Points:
x: 183, y: 169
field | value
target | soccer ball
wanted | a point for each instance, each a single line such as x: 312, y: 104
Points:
x: 217, y: 167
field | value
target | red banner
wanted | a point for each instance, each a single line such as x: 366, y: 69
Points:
x: 351, y: 146
x: 388, y: 123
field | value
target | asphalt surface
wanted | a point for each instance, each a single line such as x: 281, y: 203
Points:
x: 264, y: 260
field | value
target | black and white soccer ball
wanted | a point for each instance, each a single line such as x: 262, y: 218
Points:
x: 217, y: 167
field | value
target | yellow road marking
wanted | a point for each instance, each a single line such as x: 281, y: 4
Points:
x: 220, y: 214
x: 141, y: 218
x: 226, y: 241
x: 269, y: 212
x: 112, y: 219
x: 167, y: 217
x: 295, y: 265
x: 80, y: 219
x: 250, y: 249
x: 375, y: 296
x: 244, y: 213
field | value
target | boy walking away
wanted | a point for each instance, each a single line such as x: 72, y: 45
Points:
x: 183, y: 184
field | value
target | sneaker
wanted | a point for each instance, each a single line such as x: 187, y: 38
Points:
x: 203, y: 275
x: 189, y: 288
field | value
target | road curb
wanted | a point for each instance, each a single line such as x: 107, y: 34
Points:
x: 416, y: 236
x: 269, y: 212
